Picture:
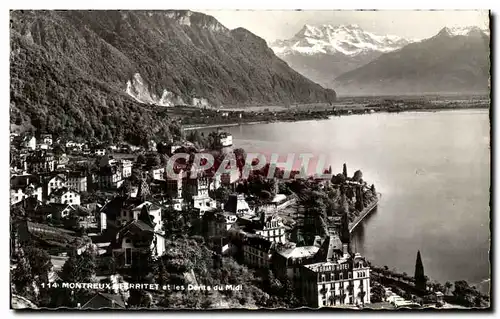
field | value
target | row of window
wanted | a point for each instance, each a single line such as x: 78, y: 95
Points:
x: 334, y: 277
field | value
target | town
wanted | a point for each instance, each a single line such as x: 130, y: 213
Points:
x: 85, y: 213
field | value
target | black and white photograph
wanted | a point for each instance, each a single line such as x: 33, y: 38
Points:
x: 250, y: 160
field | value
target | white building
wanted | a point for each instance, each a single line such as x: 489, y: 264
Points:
x: 29, y: 142
x: 339, y: 280
x: 77, y: 181
x: 65, y: 196
x: 46, y: 139
x: 54, y: 183
x: 24, y: 186
x: 273, y: 229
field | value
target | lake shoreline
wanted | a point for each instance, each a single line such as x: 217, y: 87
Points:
x: 364, y: 111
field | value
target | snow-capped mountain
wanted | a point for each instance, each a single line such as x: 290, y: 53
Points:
x: 322, y: 53
x: 349, y: 40
x: 463, y: 31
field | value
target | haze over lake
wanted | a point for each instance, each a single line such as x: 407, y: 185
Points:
x: 433, y: 170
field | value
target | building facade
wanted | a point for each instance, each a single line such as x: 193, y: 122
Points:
x: 65, y: 196
x: 77, y: 181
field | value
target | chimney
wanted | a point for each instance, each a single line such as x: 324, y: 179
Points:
x: 345, y: 249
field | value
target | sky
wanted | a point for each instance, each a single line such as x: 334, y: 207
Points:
x: 273, y: 25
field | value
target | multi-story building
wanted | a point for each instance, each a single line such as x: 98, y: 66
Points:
x: 41, y: 162
x: 133, y: 212
x: 110, y: 177
x: 339, y: 279
x: 65, y: 196
x: 29, y: 141
x: 24, y: 186
x: 46, y: 139
x: 77, y: 180
x: 134, y: 241
x: 126, y: 167
x: 217, y: 224
x: 225, y: 139
x: 273, y: 229
x: 197, y: 186
x: 100, y: 151
x: 257, y: 251
x: 158, y: 173
x: 237, y: 205
x: 287, y: 262
x: 53, y: 183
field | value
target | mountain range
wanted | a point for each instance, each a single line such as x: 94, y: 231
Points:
x: 356, y: 62
x: 67, y: 66
x: 324, y: 52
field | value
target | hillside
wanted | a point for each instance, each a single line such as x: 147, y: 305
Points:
x: 103, y: 73
x: 452, y: 61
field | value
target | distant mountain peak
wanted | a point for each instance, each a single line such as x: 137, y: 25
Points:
x: 192, y: 18
x: 349, y: 40
x: 462, y: 31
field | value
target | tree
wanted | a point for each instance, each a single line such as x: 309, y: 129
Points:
x: 141, y: 159
x: 22, y: 276
x: 240, y: 156
x: 447, y: 286
x: 377, y: 293
x: 78, y: 268
x: 153, y: 161
x: 420, y: 279
x: 358, y: 175
x: 344, y: 171
x: 40, y: 262
x: 195, y: 138
x: 221, y: 194
x: 139, y: 299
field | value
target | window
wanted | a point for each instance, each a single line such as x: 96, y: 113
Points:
x: 127, y: 240
x: 341, y: 276
x: 349, y: 275
x: 128, y: 256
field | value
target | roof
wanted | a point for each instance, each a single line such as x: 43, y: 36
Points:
x: 299, y: 252
x: 114, y: 299
x: 108, y: 170
x: 52, y: 208
x: 236, y: 203
x: 62, y: 191
x: 148, y: 204
x: 76, y: 174
x: 57, y: 176
x: 259, y: 243
x: 135, y: 227
x: 278, y: 198
x: 22, y: 181
x: 331, y: 244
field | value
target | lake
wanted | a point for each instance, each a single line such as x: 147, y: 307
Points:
x: 433, y: 170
